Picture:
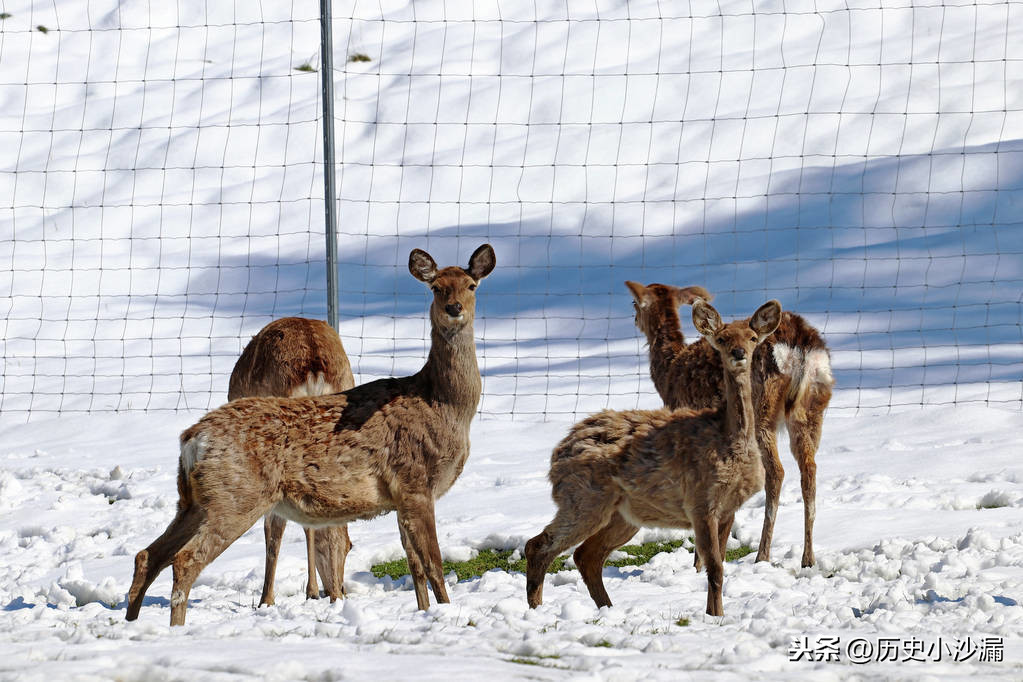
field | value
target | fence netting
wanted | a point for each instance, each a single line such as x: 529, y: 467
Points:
x: 161, y: 193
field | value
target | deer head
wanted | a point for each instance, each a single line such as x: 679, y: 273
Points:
x: 653, y: 301
x: 737, y: 340
x: 453, y: 287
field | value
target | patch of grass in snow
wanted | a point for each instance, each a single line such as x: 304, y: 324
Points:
x: 359, y: 57
x: 306, y: 67
x: 489, y: 559
x: 533, y: 660
x: 682, y: 622
x: 523, y: 661
x: 995, y: 499
x: 640, y: 554
x: 486, y: 560
x: 737, y: 553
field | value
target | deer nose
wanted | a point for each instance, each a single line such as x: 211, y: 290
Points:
x: 453, y: 309
x: 738, y: 354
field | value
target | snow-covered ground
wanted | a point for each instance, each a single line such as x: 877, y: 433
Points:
x: 919, y: 538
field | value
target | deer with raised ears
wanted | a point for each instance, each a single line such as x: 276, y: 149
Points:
x: 388, y: 445
x: 293, y: 357
x: 792, y: 383
x: 618, y: 471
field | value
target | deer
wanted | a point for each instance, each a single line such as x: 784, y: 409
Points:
x: 394, y: 444
x: 293, y: 357
x: 618, y: 471
x: 792, y: 383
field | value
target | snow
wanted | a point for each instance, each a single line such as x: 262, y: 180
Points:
x: 919, y: 534
x: 160, y: 201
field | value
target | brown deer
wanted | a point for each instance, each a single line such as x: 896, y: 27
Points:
x: 792, y: 382
x: 389, y: 445
x: 293, y: 357
x: 617, y: 471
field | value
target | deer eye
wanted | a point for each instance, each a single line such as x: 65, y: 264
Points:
x: 472, y: 287
x: 755, y: 338
x: 434, y: 288
x: 721, y: 340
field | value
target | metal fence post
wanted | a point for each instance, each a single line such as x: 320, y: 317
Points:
x: 329, y: 192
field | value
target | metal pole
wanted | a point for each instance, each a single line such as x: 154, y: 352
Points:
x: 329, y: 191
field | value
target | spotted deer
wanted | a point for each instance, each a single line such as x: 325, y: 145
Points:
x: 388, y: 445
x: 617, y: 471
x: 792, y: 383
x: 293, y: 357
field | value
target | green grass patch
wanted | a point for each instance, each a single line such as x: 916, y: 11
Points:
x: 489, y: 559
x: 737, y: 553
x: 42, y: 29
x: 682, y: 622
x: 359, y: 57
x: 641, y: 554
x: 524, y: 661
x: 534, y: 660
x: 5, y: 15
x: 994, y: 500
x: 486, y: 560
x: 306, y: 67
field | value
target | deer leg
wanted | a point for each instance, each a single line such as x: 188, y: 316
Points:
x: 572, y: 524
x: 707, y: 542
x: 417, y: 517
x: 273, y: 531
x: 724, y: 530
x: 312, y: 590
x: 774, y: 474
x: 591, y: 555
x: 415, y: 567
x: 804, y: 438
x: 157, y: 556
x: 331, y: 552
x: 215, y: 534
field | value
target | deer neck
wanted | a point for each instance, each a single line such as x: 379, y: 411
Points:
x: 451, y: 371
x: 739, y: 406
x: 666, y: 341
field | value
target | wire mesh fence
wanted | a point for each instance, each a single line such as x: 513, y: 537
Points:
x: 161, y: 190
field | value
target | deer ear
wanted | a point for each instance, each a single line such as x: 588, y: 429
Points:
x: 638, y: 292
x: 766, y: 319
x: 705, y: 318
x: 422, y: 266
x: 482, y: 262
x: 688, y: 295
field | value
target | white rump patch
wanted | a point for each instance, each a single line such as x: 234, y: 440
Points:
x: 314, y: 384
x: 811, y: 367
x: 817, y: 367
x: 803, y: 368
x: 192, y: 451
x: 787, y: 358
